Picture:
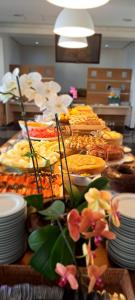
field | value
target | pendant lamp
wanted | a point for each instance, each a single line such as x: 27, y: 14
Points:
x: 74, y: 23
x: 69, y: 42
x: 79, y: 4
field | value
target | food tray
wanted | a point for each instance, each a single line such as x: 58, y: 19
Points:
x: 115, y: 280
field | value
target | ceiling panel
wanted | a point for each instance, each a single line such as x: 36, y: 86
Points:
x: 41, y: 12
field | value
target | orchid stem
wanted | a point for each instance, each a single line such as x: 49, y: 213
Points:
x: 61, y: 167
x: 65, y: 157
x: 66, y: 242
x: 27, y: 131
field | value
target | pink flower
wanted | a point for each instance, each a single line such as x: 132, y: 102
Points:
x: 114, y: 213
x: 67, y: 274
x: 73, y: 222
x: 94, y: 274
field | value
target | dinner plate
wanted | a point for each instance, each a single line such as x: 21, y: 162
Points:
x: 10, y: 203
x: 126, y: 159
x: 127, y: 149
x: 126, y: 205
x: 121, y: 264
x: 121, y: 255
x: 81, y: 180
x: 123, y: 246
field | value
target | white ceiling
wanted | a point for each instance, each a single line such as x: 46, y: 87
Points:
x: 34, y: 21
x: 41, y: 12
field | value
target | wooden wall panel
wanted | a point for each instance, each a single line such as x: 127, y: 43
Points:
x: 109, y: 73
x: 102, y: 85
x: 47, y: 72
x: 100, y: 78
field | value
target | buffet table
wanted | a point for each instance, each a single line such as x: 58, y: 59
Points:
x: 22, y: 265
x: 114, y: 116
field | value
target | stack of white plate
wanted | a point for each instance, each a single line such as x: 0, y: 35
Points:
x: 122, y: 249
x: 12, y: 227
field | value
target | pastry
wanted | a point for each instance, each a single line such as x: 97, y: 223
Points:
x: 121, y: 178
x: 106, y: 151
x: 79, y: 143
x: 80, y: 164
x: 112, y: 137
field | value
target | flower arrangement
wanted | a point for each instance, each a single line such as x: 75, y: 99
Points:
x: 44, y: 94
x: 81, y: 218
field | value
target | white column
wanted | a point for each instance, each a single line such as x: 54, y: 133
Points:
x: 132, y: 98
x: 1, y: 59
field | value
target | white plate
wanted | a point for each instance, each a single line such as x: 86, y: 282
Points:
x: 121, y: 264
x: 128, y: 158
x: 10, y: 203
x: 127, y: 149
x: 81, y: 180
x: 16, y: 216
x: 126, y: 204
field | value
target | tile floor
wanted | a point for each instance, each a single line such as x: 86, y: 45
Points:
x: 6, y: 132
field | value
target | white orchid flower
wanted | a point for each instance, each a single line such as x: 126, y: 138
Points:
x: 29, y: 80
x: 29, y: 94
x: 9, y: 82
x: 40, y: 101
x: 34, y: 78
x: 48, y: 116
x: 6, y: 97
x: 16, y: 72
x: 59, y: 104
x: 48, y: 89
x: 51, y: 87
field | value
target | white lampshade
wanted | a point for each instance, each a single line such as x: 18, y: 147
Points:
x: 79, y: 4
x: 70, y: 42
x: 74, y: 23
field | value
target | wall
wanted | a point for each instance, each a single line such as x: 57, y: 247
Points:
x: 1, y: 58
x: 12, y: 53
x: 36, y: 55
x: 130, y: 61
x: 76, y: 74
x: 68, y: 74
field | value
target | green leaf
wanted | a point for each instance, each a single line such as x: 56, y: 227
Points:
x: 99, y: 184
x: 40, y: 236
x: 35, y: 201
x: 47, y: 161
x: 41, y: 259
x: 54, y: 211
x: 60, y: 252
x: 74, y: 194
x: 29, y: 154
x: 53, y: 250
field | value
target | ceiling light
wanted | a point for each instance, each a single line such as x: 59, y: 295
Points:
x: 127, y: 20
x: 36, y: 43
x: 79, y: 4
x: 74, y: 23
x: 70, y: 42
x: 18, y: 15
